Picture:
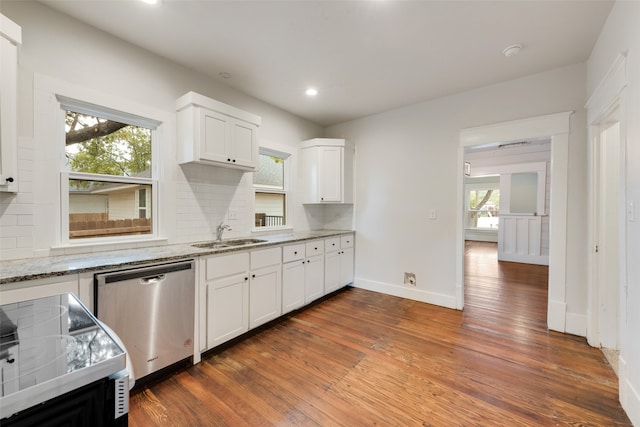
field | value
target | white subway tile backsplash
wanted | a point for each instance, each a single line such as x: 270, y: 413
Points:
x: 8, y: 243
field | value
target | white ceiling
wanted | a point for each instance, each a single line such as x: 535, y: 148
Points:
x: 364, y: 57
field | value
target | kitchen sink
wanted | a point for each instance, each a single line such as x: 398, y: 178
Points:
x: 228, y: 243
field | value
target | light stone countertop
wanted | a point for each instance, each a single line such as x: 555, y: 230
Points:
x: 39, y: 268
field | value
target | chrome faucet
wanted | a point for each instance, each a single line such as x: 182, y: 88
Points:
x: 220, y: 230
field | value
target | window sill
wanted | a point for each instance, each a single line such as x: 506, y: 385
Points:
x: 270, y: 229
x: 83, y: 247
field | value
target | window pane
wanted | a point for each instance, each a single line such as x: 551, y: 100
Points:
x: 97, y: 145
x: 103, y: 209
x: 270, y: 209
x: 270, y: 172
x: 484, y: 208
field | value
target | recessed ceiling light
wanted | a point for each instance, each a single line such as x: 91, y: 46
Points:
x: 151, y: 1
x: 311, y: 92
x: 512, y: 50
x: 225, y: 75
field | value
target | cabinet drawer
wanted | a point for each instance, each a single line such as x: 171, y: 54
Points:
x: 227, y: 265
x: 292, y: 253
x: 332, y: 244
x: 346, y: 242
x: 265, y: 258
x: 314, y: 248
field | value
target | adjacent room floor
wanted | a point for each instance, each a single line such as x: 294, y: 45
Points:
x: 361, y: 358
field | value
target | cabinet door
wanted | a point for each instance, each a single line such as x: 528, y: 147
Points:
x: 332, y: 271
x: 314, y: 278
x: 215, y: 137
x: 346, y: 266
x: 265, y: 299
x: 292, y: 285
x: 244, y: 145
x: 330, y: 174
x: 227, y: 309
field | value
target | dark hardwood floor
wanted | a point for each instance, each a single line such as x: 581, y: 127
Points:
x: 361, y: 358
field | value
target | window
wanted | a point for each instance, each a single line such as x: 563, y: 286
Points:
x: 107, y: 185
x: 483, y: 205
x: 270, y: 185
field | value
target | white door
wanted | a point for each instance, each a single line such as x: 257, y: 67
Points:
x: 607, y: 233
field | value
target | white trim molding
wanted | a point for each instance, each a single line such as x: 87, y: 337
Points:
x: 609, y: 87
x: 435, y: 298
x: 556, y: 126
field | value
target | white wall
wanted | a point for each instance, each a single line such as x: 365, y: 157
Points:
x: 407, y: 165
x: 60, y: 47
x: 621, y: 33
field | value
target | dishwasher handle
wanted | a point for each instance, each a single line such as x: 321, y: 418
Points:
x: 150, y: 272
x: 153, y: 279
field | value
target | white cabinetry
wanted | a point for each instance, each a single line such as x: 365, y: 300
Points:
x: 10, y: 40
x: 302, y: 274
x: 241, y: 290
x: 293, y: 274
x: 214, y: 133
x: 227, y: 298
x: 326, y: 171
x: 314, y: 271
x: 265, y: 288
x: 338, y: 260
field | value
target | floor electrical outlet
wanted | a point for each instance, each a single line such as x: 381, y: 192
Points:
x: 410, y: 279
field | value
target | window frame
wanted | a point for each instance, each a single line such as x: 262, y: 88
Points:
x: 478, y: 186
x: 70, y: 104
x: 286, y: 157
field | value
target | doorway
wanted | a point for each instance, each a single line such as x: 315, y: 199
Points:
x: 607, y: 229
x: 555, y: 127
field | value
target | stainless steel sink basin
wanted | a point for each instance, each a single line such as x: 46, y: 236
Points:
x: 228, y: 243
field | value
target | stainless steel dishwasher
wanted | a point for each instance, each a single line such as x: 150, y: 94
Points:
x: 151, y: 309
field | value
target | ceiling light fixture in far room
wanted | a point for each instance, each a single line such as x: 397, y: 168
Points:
x: 311, y: 92
x: 151, y: 1
x: 512, y: 50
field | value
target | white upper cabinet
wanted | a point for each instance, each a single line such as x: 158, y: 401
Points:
x: 218, y: 134
x: 10, y: 40
x: 326, y: 170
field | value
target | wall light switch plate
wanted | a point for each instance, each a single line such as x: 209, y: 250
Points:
x: 433, y: 214
x: 233, y: 214
x: 631, y: 211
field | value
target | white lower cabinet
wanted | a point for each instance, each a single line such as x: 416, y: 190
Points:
x: 338, y: 263
x: 313, y: 278
x: 302, y: 274
x: 227, y: 296
x: 292, y: 285
x: 243, y: 290
x: 227, y: 304
x: 265, y: 286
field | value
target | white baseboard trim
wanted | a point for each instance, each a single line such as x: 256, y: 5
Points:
x: 576, y: 324
x: 629, y: 396
x: 526, y: 259
x: 435, y: 298
x: 481, y: 235
x: 556, y: 316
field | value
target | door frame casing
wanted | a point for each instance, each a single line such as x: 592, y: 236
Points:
x: 556, y: 127
x: 606, y: 99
